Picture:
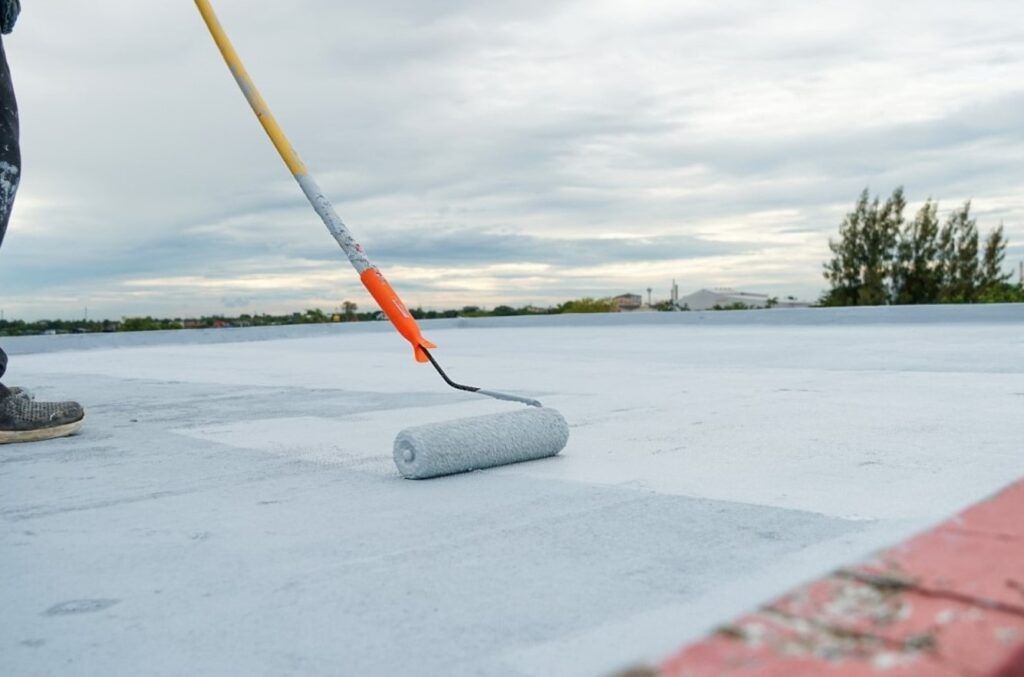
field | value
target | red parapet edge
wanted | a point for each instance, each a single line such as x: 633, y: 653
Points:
x: 949, y: 601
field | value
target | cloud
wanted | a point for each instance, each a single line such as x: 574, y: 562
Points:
x: 490, y: 151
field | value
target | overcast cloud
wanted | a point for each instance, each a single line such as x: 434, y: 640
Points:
x: 491, y: 152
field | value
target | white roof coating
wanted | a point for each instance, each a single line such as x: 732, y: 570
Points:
x: 231, y: 506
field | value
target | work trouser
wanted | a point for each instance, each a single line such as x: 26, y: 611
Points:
x: 10, y: 157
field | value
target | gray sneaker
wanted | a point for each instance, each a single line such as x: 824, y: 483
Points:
x: 22, y: 419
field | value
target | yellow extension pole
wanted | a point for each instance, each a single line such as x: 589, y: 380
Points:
x: 371, y: 277
x: 245, y: 83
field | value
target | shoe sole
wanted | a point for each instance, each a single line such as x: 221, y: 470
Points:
x: 40, y: 434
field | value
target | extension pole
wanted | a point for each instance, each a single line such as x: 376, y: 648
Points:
x: 371, y: 277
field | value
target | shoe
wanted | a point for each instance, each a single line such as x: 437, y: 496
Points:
x: 22, y: 419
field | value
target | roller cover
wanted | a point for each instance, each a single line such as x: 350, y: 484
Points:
x: 479, y: 442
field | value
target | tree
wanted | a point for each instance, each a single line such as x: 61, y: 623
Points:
x: 140, y: 324
x: 1001, y: 292
x: 881, y: 258
x: 314, y: 315
x: 915, y: 278
x: 843, y: 271
x: 878, y: 248
x: 862, y: 258
x: 349, y: 308
x: 958, y: 257
x: 991, y: 273
x: 586, y: 305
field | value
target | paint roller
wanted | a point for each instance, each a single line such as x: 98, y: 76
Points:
x: 429, y: 450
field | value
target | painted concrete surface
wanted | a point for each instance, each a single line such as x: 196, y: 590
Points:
x: 232, y: 505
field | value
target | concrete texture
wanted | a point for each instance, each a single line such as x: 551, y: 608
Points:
x: 232, y: 505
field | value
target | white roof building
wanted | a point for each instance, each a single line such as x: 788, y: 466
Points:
x: 706, y: 299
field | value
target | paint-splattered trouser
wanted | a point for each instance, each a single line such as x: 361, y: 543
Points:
x: 10, y: 157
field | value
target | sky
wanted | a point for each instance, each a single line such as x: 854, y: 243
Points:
x: 491, y: 152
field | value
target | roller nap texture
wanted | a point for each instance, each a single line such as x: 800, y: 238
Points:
x: 466, y: 444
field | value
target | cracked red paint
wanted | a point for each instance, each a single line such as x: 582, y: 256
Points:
x: 947, y: 602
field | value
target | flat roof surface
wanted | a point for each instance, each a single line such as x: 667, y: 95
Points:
x: 232, y: 507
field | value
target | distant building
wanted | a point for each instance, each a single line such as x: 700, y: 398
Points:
x: 706, y: 299
x: 627, y: 302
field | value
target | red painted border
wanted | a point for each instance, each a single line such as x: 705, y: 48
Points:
x: 949, y: 601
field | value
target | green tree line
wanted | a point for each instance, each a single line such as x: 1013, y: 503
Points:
x: 883, y: 258
x: 347, y: 312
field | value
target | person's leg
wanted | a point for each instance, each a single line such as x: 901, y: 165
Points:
x: 10, y: 150
x: 22, y: 419
x: 10, y: 156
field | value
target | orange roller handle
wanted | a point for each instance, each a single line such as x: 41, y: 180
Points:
x: 388, y: 300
